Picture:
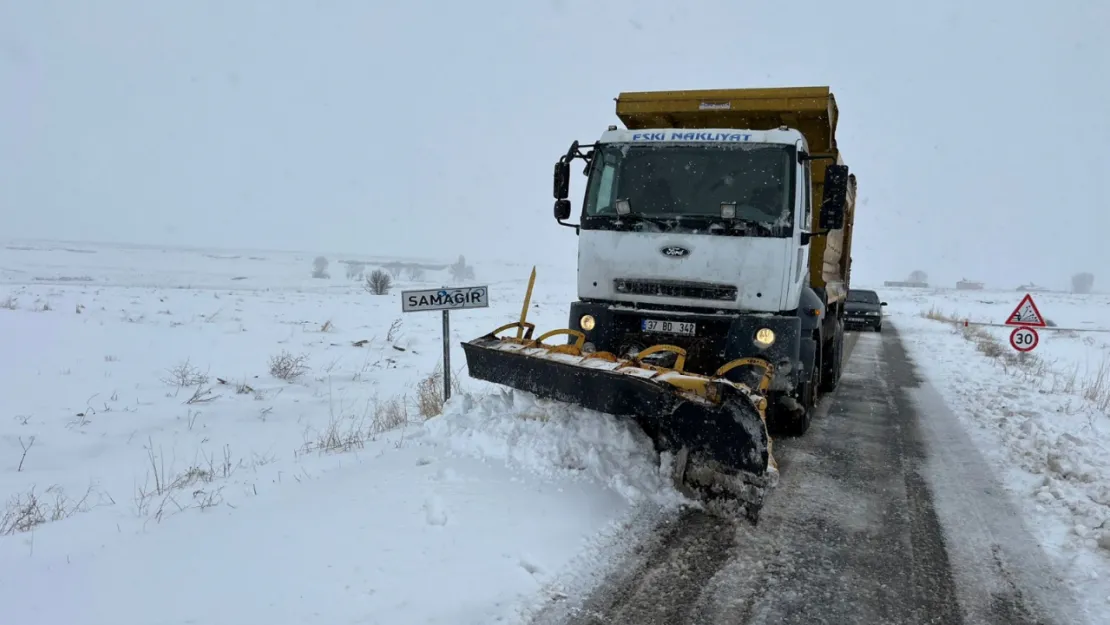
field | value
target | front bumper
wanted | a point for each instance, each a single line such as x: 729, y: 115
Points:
x: 718, y: 338
x: 862, y: 318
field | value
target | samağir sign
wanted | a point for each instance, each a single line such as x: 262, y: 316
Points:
x: 445, y: 299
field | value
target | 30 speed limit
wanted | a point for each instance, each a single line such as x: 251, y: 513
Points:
x: 1024, y: 339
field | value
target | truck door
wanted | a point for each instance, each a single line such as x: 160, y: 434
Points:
x: 798, y: 276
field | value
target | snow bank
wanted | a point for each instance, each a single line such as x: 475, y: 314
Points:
x: 552, y: 439
x: 396, y: 535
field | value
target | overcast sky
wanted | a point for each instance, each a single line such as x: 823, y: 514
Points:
x: 978, y: 130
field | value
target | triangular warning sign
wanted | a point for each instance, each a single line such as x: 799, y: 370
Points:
x: 1026, y: 314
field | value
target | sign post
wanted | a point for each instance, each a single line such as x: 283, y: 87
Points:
x: 445, y: 300
x: 1025, y: 319
x: 446, y: 355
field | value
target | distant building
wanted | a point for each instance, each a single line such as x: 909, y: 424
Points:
x: 969, y: 285
x: 907, y: 284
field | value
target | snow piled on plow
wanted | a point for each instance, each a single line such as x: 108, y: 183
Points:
x: 557, y: 440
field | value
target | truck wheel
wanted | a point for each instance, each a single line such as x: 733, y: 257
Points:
x: 832, y: 362
x: 791, y: 418
x: 798, y: 424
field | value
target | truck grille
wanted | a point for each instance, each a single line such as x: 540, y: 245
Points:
x: 688, y: 290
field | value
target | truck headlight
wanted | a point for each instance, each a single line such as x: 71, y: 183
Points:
x: 764, y: 337
x: 587, y: 322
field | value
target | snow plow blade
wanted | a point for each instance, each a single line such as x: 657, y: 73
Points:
x: 715, y: 427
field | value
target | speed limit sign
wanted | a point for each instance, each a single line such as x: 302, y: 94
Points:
x: 1024, y: 339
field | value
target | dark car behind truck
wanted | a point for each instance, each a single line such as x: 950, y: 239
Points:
x: 863, y: 309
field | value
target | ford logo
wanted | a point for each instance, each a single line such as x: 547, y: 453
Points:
x: 674, y: 251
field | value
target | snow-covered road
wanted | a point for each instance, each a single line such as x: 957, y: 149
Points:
x: 886, y: 513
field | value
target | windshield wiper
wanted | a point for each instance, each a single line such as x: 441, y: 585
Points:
x: 766, y: 227
x: 711, y: 224
x: 730, y: 226
x: 630, y: 220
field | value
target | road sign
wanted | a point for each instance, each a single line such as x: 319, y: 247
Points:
x: 446, y: 300
x: 1026, y: 314
x: 1024, y: 339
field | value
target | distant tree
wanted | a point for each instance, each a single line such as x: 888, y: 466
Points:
x: 354, y: 270
x: 320, y: 268
x: 394, y: 269
x: 1082, y: 282
x: 918, y: 276
x: 415, y: 273
x: 378, y: 282
x: 461, y: 271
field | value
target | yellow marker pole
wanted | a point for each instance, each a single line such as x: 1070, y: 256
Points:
x: 527, y: 300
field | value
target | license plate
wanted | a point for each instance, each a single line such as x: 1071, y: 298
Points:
x: 684, y: 328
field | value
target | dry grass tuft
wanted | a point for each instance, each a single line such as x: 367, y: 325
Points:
x: 288, y: 367
x: 984, y: 341
x: 429, y: 393
x: 165, y: 488
x: 389, y: 415
x: 349, y: 433
x: 429, y: 396
x: 936, y: 314
x: 1096, y: 388
x: 26, y: 511
x: 185, y: 374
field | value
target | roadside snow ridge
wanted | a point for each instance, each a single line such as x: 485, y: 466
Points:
x: 555, y: 439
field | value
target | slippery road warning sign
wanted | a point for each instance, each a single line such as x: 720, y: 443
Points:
x: 1026, y: 314
x: 1024, y: 339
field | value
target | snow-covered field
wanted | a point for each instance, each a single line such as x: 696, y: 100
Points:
x: 1042, y: 420
x: 157, y: 465
x: 154, y: 469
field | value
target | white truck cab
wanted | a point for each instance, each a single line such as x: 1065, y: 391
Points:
x: 733, y: 236
x: 718, y: 232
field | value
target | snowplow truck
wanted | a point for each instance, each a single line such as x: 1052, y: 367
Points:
x: 714, y: 247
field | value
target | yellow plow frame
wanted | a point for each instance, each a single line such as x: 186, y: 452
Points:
x: 711, y: 420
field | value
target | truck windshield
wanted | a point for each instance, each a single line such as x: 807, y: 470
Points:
x: 691, y: 181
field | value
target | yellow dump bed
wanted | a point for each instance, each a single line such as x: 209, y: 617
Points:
x: 810, y: 110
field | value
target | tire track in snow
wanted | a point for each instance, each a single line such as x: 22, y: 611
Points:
x: 690, y: 551
x: 670, y: 575
x: 850, y: 535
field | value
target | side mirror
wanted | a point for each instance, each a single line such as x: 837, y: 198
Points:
x: 562, y: 210
x: 834, y: 198
x: 562, y: 181
x: 882, y: 304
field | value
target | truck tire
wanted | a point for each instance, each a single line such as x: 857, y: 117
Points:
x: 832, y: 362
x: 794, y: 423
x: 798, y: 425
